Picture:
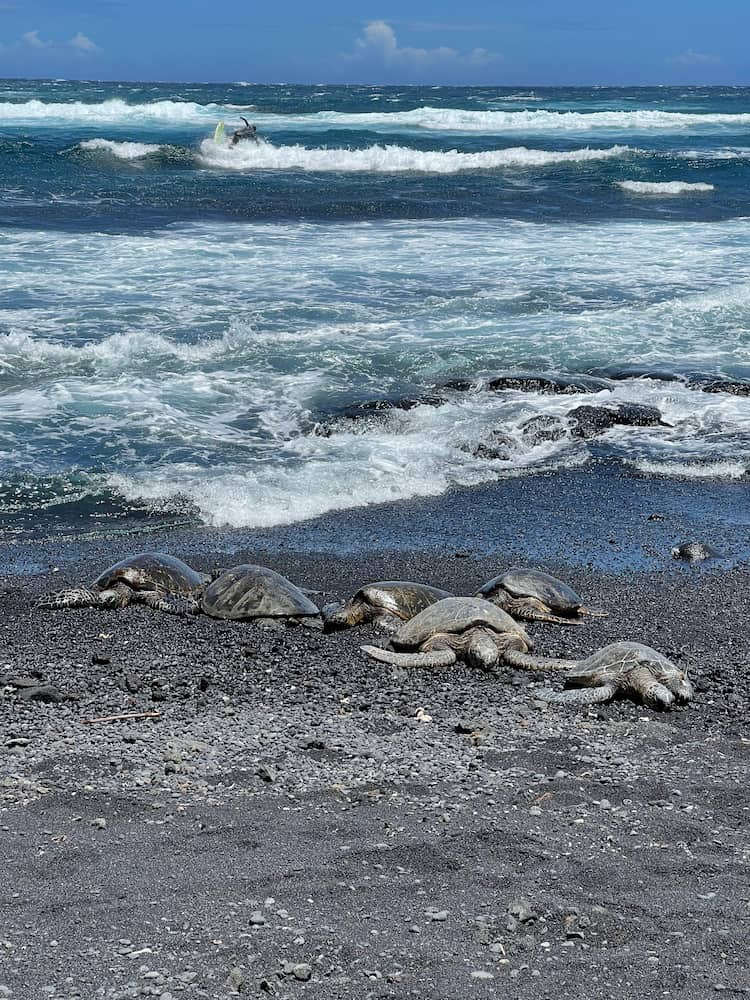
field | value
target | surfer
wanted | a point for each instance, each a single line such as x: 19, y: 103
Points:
x: 248, y: 132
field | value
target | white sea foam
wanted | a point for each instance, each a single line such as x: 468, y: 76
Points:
x: 722, y: 153
x: 195, y: 360
x: 121, y: 150
x: 693, y: 470
x: 438, y: 447
x: 114, y: 111
x: 459, y: 120
x: 117, y: 111
x: 390, y: 159
x: 663, y: 187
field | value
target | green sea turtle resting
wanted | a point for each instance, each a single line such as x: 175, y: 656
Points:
x: 155, y: 579
x: 628, y: 669
x: 466, y: 628
x: 531, y: 595
x: 386, y: 603
x: 251, y: 592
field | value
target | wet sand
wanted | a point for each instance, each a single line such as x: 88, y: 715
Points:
x: 288, y: 826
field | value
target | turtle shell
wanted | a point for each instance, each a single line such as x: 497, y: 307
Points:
x: 152, y: 571
x: 401, y: 597
x: 250, y: 591
x: 558, y: 596
x: 612, y: 662
x: 455, y: 615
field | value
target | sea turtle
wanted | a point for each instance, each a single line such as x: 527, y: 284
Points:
x: 386, y: 603
x: 155, y: 579
x: 693, y: 552
x: 531, y: 595
x: 624, y: 668
x: 256, y: 592
x: 468, y: 628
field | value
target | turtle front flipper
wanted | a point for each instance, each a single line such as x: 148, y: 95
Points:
x: 171, y: 604
x: 434, y: 658
x: 642, y: 683
x: 526, y: 661
x: 75, y: 597
x: 577, y: 696
x: 593, y: 612
x: 530, y: 609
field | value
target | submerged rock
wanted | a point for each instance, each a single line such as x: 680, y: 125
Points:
x: 588, y: 421
x: 547, y: 386
x: 543, y: 428
x: 497, y: 447
x: 734, y: 388
x: 693, y: 552
x: 370, y: 409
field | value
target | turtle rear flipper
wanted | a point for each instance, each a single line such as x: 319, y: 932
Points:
x: 578, y: 696
x: 171, y: 604
x: 526, y: 661
x: 75, y: 597
x: 434, y: 658
x: 534, y: 611
x: 593, y: 612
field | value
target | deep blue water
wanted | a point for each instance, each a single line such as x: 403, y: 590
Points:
x: 181, y: 321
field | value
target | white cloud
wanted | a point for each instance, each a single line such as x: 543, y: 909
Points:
x: 379, y: 41
x: 83, y: 43
x: 692, y: 58
x: 79, y: 42
x: 32, y: 38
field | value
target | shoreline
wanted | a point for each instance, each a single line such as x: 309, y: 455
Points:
x: 596, y: 515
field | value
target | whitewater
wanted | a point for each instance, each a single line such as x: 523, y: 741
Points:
x: 366, y: 305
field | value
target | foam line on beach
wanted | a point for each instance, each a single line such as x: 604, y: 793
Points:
x: 470, y: 439
x: 390, y: 158
x: 669, y: 188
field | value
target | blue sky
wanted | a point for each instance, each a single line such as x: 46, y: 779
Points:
x: 413, y: 41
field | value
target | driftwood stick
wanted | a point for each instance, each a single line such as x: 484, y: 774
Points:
x: 126, y: 715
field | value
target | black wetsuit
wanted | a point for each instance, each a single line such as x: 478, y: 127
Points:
x: 248, y: 132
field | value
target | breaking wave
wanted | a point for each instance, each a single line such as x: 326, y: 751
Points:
x: 390, y: 159
x: 114, y: 111
x: 458, y: 120
x: 663, y: 187
x: 122, y: 150
x: 117, y: 112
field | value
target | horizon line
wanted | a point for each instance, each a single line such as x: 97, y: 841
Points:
x: 415, y: 86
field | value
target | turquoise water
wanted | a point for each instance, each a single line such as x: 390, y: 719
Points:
x: 182, y: 322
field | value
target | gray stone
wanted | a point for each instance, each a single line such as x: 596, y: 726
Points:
x: 302, y: 971
x: 235, y: 980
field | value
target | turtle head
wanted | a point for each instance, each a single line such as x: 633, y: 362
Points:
x: 668, y: 675
x: 481, y: 649
x: 337, y: 615
x: 680, y: 686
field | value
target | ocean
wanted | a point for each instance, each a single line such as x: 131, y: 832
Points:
x: 396, y: 291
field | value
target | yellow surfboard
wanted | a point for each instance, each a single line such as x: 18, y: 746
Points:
x: 220, y: 137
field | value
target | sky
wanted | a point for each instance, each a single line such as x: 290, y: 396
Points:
x: 474, y: 42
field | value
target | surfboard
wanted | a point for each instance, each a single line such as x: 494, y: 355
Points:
x: 219, y: 135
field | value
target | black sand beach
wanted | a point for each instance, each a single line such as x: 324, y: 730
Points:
x: 291, y: 823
